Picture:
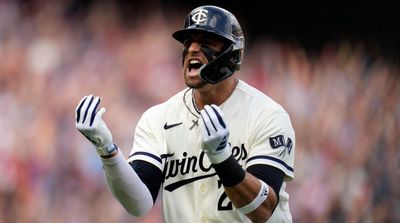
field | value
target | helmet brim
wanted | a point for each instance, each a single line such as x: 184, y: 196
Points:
x: 180, y: 35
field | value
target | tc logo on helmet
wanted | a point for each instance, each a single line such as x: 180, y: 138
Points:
x: 199, y: 16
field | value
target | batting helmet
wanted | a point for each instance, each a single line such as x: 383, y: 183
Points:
x: 220, y: 22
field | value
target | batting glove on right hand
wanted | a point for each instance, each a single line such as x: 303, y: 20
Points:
x: 92, y: 126
x: 215, y: 134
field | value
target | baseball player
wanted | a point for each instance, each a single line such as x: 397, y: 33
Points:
x: 220, y: 150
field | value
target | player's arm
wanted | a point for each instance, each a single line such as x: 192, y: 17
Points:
x: 123, y: 181
x: 247, y: 194
x: 253, y: 197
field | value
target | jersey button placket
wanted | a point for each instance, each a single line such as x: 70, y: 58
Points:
x: 204, y: 219
x: 203, y: 188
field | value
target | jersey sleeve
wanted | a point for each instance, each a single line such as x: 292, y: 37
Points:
x: 145, y: 143
x: 273, y: 143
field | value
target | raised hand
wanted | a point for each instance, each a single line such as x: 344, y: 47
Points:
x: 215, y: 134
x: 90, y: 123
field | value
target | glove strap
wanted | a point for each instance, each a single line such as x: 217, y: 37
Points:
x: 216, y: 158
x: 107, y: 151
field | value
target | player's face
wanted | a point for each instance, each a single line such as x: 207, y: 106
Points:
x: 194, y: 56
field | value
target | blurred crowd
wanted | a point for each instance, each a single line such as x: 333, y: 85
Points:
x: 344, y: 103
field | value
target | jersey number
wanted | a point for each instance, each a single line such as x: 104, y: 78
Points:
x: 224, y: 204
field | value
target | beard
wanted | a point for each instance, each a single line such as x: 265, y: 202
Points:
x: 195, y: 83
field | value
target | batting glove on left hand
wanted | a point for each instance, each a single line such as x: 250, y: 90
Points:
x: 92, y: 126
x: 215, y: 134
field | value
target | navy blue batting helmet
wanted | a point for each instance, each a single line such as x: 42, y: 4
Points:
x: 220, y: 22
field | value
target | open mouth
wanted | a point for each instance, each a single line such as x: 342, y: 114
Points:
x: 194, y: 65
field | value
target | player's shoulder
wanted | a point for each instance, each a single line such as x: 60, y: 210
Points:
x: 162, y: 108
x: 258, y: 100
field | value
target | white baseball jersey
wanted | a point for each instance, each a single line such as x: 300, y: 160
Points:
x: 167, y: 136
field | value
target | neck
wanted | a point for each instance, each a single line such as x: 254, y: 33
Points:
x: 215, y: 93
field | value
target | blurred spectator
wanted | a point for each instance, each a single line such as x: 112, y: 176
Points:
x: 344, y: 103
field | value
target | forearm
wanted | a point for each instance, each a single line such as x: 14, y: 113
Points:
x: 246, y: 191
x: 126, y: 185
x: 251, y: 197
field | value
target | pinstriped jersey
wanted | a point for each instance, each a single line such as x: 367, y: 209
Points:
x: 169, y: 137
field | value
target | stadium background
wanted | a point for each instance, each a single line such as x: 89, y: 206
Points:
x: 333, y: 66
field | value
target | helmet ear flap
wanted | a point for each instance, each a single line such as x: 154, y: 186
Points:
x: 237, y: 59
x: 221, y: 67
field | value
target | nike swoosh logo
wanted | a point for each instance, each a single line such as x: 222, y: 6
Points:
x: 166, y: 126
x: 181, y: 183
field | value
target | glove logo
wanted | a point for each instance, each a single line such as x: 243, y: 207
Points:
x: 199, y: 16
x: 222, y: 145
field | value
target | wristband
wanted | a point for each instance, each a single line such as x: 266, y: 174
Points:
x: 262, y: 195
x: 108, y: 151
x: 229, y: 172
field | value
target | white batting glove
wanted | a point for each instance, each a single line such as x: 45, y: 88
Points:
x: 215, y: 134
x: 92, y: 126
